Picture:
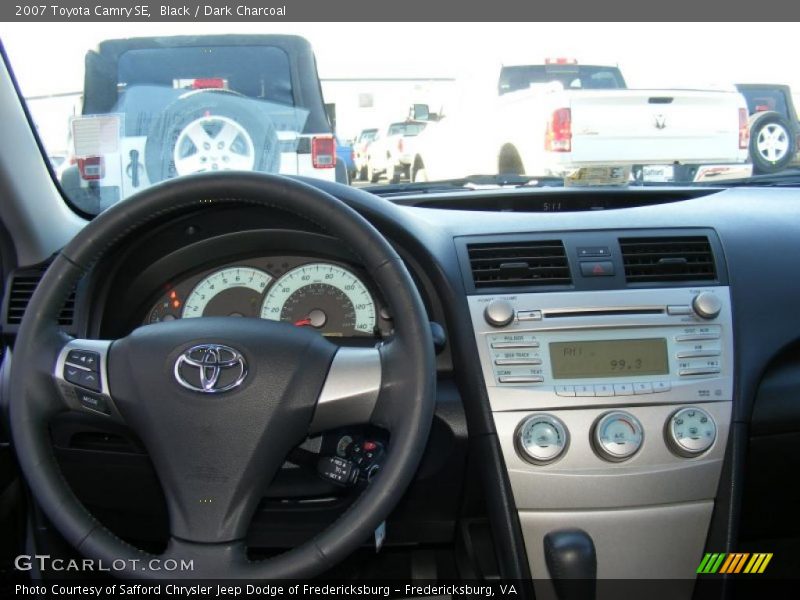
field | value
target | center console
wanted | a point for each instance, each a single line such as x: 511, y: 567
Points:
x: 611, y: 388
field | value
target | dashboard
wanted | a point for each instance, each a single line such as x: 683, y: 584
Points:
x: 601, y: 363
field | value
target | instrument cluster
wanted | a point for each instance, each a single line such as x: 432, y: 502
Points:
x: 330, y: 297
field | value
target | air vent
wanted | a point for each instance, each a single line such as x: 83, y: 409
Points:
x: 518, y: 264
x: 23, y: 284
x: 668, y: 259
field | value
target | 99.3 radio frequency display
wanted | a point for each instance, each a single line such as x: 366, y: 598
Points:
x: 609, y: 358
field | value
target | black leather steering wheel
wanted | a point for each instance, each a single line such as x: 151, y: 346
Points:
x: 215, y: 453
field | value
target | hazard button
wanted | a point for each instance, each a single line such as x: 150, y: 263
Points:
x: 600, y: 268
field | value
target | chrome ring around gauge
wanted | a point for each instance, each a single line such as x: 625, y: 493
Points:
x: 242, y: 287
x: 690, y: 432
x: 324, y: 296
x: 617, y: 436
x: 541, y: 439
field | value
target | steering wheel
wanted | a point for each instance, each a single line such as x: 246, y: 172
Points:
x: 220, y: 402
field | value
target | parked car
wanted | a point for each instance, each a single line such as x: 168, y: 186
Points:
x: 559, y: 117
x: 170, y: 106
x: 392, y: 151
x: 360, y: 151
x: 774, y: 127
x: 344, y: 155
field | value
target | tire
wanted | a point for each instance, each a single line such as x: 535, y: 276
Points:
x: 255, y: 147
x: 342, y: 176
x: 372, y: 175
x: 510, y: 162
x: 362, y: 173
x: 391, y: 173
x: 772, y: 144
x: 417, y: 173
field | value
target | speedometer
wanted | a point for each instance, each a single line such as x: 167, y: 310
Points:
x: 233, y: 291
x: 324, y: 296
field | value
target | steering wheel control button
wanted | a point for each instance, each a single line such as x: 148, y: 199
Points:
x: 707, y: 305
x: 338, y: 470
x: 82, y: 377
x: 84, y: 358
x: 95, y: 402
x: 498, y: 313
x: 690, y: 432
x: 541, y: 439
x: 617, y: 436
x: 599, y: 268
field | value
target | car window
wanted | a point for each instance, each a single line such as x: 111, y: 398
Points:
x: 119, y: 110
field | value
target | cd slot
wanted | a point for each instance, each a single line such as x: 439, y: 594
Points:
x: 606, y: 311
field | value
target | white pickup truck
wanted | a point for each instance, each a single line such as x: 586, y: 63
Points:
x: 557, y: 119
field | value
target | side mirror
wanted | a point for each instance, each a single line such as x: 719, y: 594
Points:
x: 420, y: 112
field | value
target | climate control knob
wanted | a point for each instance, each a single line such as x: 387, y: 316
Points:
x: 499, y: 313
x: 707, y: 305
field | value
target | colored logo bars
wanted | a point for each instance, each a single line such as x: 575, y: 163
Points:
x: 734, y: 563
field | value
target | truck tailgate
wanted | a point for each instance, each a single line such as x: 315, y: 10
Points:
x: 655, y: 126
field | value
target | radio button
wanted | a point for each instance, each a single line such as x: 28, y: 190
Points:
x: 661, y: 386
x: 529, y: 315
x: 696, y: 337
x: 698, y: 371
x: 679, y: 310
x: 565, y: 390
x: 623, y: 389
x: 517, y: 361
x: 584, y: 390
x: 642, y: 388
x: 502, y: 345
x: 698, y: 353
x: 604, y: 389
x: 520, y: 379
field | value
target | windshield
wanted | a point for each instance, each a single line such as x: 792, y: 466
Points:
x: 123, y: 106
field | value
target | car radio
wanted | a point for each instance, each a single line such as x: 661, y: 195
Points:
x: 604, y: 347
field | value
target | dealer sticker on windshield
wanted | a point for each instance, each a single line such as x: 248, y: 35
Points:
x: 96, y: 135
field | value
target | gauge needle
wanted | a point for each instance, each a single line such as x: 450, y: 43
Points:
x: 303, y: 322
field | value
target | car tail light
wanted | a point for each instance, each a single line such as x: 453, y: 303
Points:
x: 208, y: 83
x: 400, y: 145
x: 744, y: 129
x: 323, y: 152
x: 92, y: 168
x: 558, y: 137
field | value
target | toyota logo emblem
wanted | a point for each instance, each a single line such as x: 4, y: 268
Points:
x: 210, y: 368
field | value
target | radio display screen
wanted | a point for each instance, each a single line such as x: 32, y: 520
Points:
x: 609, y: 358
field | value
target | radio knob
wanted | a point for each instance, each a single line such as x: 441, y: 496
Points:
x: 707, y: 305
x: 498, y: 313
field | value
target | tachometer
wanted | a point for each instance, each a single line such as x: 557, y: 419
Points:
x: 324, y: 296
x: 233, y: 291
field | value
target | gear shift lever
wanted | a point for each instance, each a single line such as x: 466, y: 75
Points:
x: 572, y: 562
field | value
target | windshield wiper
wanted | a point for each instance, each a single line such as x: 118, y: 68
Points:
x: 782, y: 179
x: 471, y: 182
